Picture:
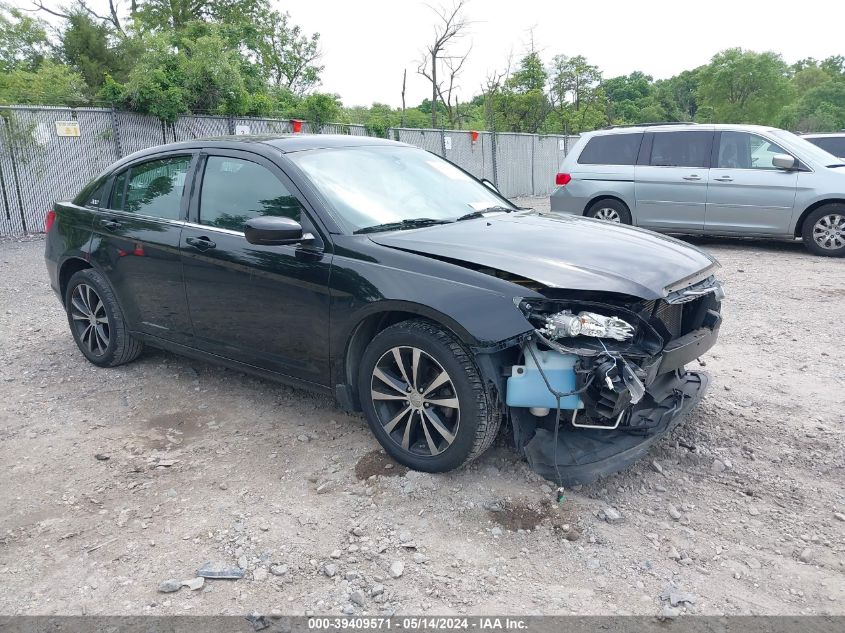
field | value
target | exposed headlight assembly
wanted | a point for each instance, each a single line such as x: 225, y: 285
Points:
x: 567, y: 324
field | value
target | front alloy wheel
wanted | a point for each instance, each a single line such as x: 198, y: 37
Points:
x: 829, y: 231
x: 424, y: 398
x: 824, y: 230
x: 90, y: 320
x: 415, y: 401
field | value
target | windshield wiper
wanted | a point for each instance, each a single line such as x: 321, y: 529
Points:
x: 412, y: 223
x: 480, y: 213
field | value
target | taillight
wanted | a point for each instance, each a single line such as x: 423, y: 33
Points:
x: 49, y: 220
x: 562, y: 179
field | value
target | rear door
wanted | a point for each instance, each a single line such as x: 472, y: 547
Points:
x: 136, y: 242
x: 671, y: 180
x: 266, y: 306
x: 747, y: 194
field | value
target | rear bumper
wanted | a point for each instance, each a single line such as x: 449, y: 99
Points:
x: 583, y: 455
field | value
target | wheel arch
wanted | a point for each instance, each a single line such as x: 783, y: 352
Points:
x: 68, y: 269
x: 799, y: 225
x: 374, y: 322
x: 604, y: 196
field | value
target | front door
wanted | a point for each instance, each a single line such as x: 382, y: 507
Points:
x: 136, y: 241
x: 671, y: 180
x: 747, y: 194
x: 266, y: 306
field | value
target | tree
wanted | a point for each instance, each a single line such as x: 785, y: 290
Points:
x: 678, y: 95
x: 287, y: 55
x: 441, y: 61
x: 577, y: 100
x: 320, y: 108
x: 520, y: 103
x: 23, y: 40
x: 91, y: 48
x: 50, y: 84
x: 744, y: 87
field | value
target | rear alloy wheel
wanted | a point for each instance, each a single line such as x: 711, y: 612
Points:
x: 96, y: 321
x: 609, y: 210
x: 89, y: 320
x: 424, y: 398
x: 824, y: 231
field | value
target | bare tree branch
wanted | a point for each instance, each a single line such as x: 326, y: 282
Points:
x: 448, y: 31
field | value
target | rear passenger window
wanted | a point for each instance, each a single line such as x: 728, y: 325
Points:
x: 681, y: 149
x: 611, y: 149
x: 91, y: 195
x: 153, y: 189
x: 235, y: 190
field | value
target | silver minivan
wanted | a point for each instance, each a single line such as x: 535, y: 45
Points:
x: 731, y: 180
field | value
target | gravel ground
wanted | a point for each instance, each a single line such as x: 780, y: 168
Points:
x: 117, y: 480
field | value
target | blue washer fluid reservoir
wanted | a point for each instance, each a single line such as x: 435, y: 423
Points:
x: 526, y: 387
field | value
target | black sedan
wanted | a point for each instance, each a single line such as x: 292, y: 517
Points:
x: 406, y: 287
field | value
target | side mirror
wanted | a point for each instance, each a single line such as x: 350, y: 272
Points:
x: 274, y: 231
x: 490, y: 185
x: 784, y: 161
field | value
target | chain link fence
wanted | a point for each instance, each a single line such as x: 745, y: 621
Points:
x: 39, y: 163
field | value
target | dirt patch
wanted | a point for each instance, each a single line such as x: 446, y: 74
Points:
x: 378, y: 463
x: 519, y: 515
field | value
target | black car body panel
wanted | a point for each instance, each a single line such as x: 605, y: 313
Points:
x: 562, y: 252
x: 303, y: 313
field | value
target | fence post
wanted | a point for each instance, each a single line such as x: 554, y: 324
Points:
x: 231, y: 121
x: 115, y: 129
x: 533, y: 151
x: 495, y: 162
x: 443, y: 142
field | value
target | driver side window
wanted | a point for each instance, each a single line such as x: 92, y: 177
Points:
x: 741, y: 150
x: 236, y: 190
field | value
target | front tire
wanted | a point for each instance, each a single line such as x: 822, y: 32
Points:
x: 609, y: 210
x: 424, y: 398
x: 824, y: 230
x: 96, y: 321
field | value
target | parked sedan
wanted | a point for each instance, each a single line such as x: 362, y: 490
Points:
x: 386, y: 276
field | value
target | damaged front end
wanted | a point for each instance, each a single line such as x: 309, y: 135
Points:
x: 599, y: 381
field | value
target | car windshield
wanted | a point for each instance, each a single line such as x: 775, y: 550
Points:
x: 813, y: 152
x: 396, y: 186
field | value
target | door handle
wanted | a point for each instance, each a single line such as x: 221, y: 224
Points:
x: 110, y: 225
x: 692, y: 177
x: 724, y: 179
x: 202, y: 243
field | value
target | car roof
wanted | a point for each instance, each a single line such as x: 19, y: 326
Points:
x: 681, y: 127
x: 281, y: 143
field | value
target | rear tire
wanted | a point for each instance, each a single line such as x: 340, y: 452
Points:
x: 609, y: 210
x: 824, y: 230
x: 96, y: 321
x: 451, y: 414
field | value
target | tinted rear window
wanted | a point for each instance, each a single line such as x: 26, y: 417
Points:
x: 611, y: 149
x: 833, y: 144
x: 681, y: 149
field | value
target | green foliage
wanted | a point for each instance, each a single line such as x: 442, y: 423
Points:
x: 92, y: 49
x: 50, y: 83
x: 319, y: 109
x: 744, y: 87
x: 23, y: 40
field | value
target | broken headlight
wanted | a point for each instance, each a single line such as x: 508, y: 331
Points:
x: 567, y: 324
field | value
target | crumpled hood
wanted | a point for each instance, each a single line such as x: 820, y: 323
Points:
x: 561, y: 251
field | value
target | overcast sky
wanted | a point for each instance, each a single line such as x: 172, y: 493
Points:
x: 368, y: 43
